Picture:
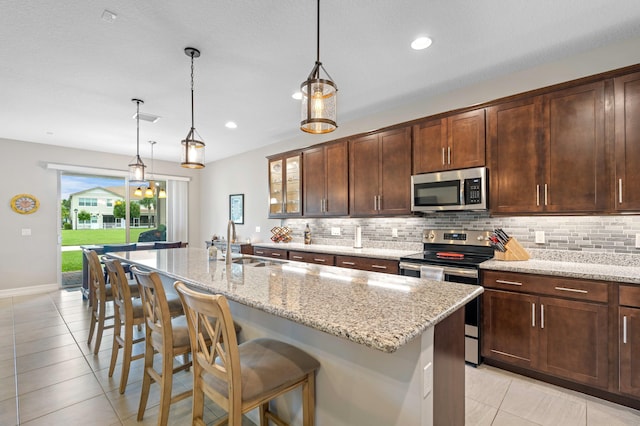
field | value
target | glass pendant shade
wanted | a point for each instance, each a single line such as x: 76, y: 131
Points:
x: 136, y: 167
x: 319, y: 107
x: 162, y: 193
x: 138, y: 192
x: 148, y: 193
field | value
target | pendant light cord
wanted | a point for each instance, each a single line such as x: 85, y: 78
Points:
x: 318, y: 40
x: 137, y: 128
x: 192, y: 120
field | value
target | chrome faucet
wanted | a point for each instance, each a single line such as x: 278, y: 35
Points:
x: 231, y: 234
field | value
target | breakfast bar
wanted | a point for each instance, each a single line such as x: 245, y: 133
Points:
x: 391, y: 348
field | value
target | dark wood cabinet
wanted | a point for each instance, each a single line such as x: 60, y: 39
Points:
x: 629, y: 340
x: 386, y: 266
x: 285, y: 185
x: 380, y: 173
x: 326, y: 180
x: 454, y: 142
x: 270, y: 252
x: 564, y: 336
x: 547, y: 153
x: 310, y: 257
x: 627, y: 143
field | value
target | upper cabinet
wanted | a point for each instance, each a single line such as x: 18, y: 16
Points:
x: 547, y: 153
x: 454, y: 142
x: 627, y: 142
x: 326, y: 180
x: 380, y: 173
x: 285, y: 185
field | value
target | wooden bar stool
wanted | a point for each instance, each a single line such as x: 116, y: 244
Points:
x: 128, y: 313
x: 242, y: 377
x: 99, y: 295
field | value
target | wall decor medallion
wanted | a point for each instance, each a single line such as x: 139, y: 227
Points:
x: 25, y: 204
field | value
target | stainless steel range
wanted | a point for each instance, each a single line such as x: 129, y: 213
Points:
x: 458, y: 254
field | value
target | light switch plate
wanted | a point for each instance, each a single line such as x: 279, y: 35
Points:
x: 26, y: 232
x: 394, y: 232
x: 257, y: 229
x: 335, y: 230
x: 539, y: 237
x: 637, y: 240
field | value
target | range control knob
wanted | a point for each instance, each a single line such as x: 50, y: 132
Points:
x: 481, y: 238
x: 432, y: 236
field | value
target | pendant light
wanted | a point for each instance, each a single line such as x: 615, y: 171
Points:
x: 136, y: 168
x: 318, y: 97
x: 150, y: 192
x: 192, y: 149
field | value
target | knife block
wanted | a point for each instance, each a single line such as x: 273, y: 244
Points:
x: 514, y: 251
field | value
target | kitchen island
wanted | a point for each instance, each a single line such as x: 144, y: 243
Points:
x: 391, y: 348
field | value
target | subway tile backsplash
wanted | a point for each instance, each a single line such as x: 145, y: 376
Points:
x: 602, y: 234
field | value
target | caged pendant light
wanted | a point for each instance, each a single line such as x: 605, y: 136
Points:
x: 192, y: 149
x: 136, y: 167
x: 319, y: 107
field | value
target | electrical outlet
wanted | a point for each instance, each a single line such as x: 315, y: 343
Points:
x: 335, y: 230
x: 539, y: 237
x: 257, y: 229
x: 637, y: 240
x: 394, y: 232
x: 26, y: 232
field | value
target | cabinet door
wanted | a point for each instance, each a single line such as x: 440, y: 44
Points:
x: 429, y: 146
x: 276, y: 187
x: 630, y: 351
x: 627, y: 146
x: 575, y: 177
x: 515, y: 157
x: 395, y: 172
x: 314, y: 181
x: 510, y: 327
x: 293, y: 186
x: 364, y: 175
x: 466, y: 140
x: 574, y: 340
x: 337, y: 175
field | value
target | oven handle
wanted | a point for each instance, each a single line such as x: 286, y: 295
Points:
x: 456, y: 272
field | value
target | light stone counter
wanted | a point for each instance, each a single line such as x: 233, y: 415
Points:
x: 379, y: 253
x: 380, y: 311
x: 584, y: 265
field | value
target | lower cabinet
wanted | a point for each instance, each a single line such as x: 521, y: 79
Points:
x: 555, y: 335
x: 309, y: 257
x: 629, y: 340
x: 368, y: 264
x: 269, y: 252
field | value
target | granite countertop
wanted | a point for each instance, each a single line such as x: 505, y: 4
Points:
x: 592, y: 266
x: 379, y: 253
x: 381, y: 311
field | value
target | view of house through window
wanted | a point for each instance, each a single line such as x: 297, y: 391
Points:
x: 94, y: 210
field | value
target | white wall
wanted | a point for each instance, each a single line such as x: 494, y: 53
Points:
x: 247, y: 173
x: 34, y: 260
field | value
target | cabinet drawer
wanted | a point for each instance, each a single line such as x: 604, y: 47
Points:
x: 319, y: 258
x: 630, y: 296
x: 269, y: 252
x: 368, y: 264
x: 572, y: 288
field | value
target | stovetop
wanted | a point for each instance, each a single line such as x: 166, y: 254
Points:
x: 453, y: 248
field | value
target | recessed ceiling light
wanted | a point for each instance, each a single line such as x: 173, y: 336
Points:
x: 421, y: 43
x: 297, y: 96
x: 231, y: 125
x: 146, y: 117
x: 109, y: 17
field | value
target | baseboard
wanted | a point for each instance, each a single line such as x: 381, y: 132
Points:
x: 26, y: 291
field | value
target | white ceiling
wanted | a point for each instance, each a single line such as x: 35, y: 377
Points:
x: 67, y: 76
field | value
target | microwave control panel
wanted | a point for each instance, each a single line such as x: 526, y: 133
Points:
x: 472, y: 191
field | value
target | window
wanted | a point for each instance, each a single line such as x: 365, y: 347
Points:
x: 109, y: 202
x: 88, y: 202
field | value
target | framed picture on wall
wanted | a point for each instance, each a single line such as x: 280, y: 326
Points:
x: 236, y: 208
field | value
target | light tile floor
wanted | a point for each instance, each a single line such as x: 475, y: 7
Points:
x: 50, y: 376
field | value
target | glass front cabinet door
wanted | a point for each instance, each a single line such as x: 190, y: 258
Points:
x: 285, y: 186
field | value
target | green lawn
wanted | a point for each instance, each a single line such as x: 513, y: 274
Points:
x: 72, y: 260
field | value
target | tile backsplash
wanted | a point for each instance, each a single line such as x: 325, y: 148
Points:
x: 602, y: 234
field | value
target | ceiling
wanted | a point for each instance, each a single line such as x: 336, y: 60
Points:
x: 67, y: 76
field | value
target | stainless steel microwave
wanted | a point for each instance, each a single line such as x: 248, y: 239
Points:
x: 464, y: 189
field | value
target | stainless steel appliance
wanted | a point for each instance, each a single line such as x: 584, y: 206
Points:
x: 464, y: 189
x: 459, y: 253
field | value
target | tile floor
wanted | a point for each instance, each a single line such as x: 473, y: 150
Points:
x: 49, y: 376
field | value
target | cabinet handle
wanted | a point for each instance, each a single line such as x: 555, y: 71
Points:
x: 375, y: 202
x: 379, y: 202
x: 620, y: 191
x: 259, y: 252
x: 448, y: 155
x: 443, y: 163
x: 295, y: 257
x: 319, y: 260
x: 546, y: 193
x: 572, y: 290
x: 276, y: 254
x: 508, y: 282
x: 348, y: 263
x: 326, y: 205
x: 537, y: 195
x: 624, y: 329
x: 533, y: 315
x: 378, y: 267
x: 541, y: 315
